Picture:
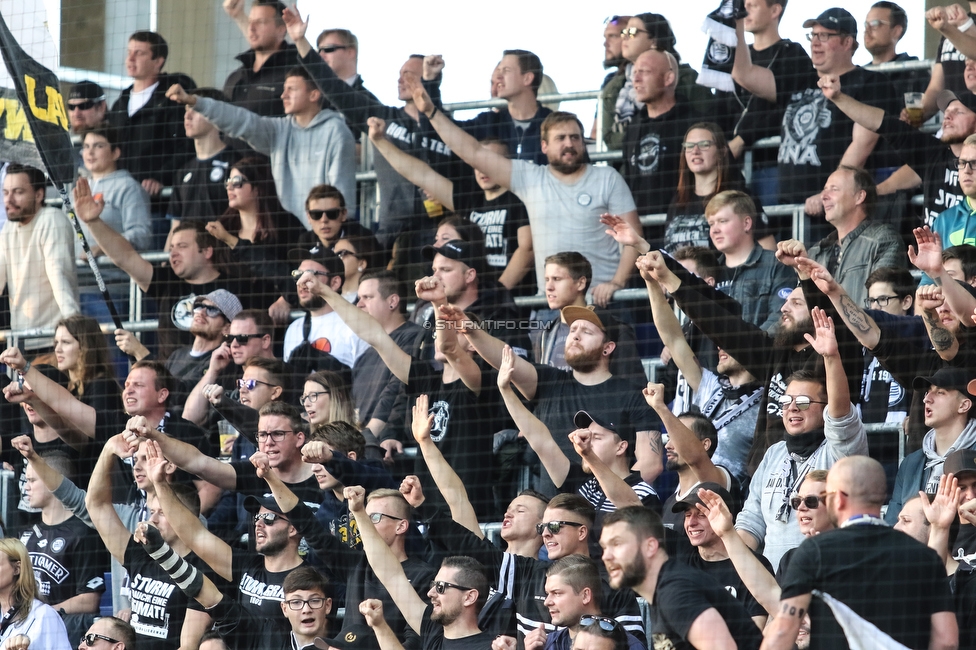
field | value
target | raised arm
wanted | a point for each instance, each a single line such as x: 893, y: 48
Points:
x: 384, y: 563
x: 197, y: 404
x: 825, y: 343
x: 855, y: 318
x: 670, y: 332
x: 99, y: 498
x: 928, y: 299
x: 941, y: 513
x: 947, y: 20
x: 372, y: 611
x: 867, y: 116
x: 459, y: 359
x: 928, y: 259
x: 756, y: 79
x: 413, y: 169
x: 466, y: 147
x: 365, y: 326
x: 72, y: 412
x: 620, y: 494
x: 448, y: 482
x: 208, y: 547
x: 524, y: 375
x: 686, y: 444
x: 50, y: 477
x: 602, y: 293
x: 760, y: 582
x: 113, y: 244
x: 530, y: 427
x: 183, y: 455
x: 780, y: 634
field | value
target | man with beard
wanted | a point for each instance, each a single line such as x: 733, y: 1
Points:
x: 212, y: 316
x: 770, y: 358
x: 729, y: 397
x: 589, y: 386
x: 321, y: 326
x: 564, y: 199
x: 457, y: 594
x: 887, y: 578
x: 931, y: 163
x: 688, y: 609
x: 37, y: 262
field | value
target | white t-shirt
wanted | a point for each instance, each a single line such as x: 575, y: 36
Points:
x: 567, y: 217
x: 139, y: 99
x: 330, y: 334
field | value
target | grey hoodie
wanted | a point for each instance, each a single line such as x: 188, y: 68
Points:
x: 301, y: 157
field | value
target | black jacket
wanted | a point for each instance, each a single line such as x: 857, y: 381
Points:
x: 260, y: 92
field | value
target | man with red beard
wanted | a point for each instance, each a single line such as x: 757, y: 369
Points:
x: 589, y: 386
x: 564, y: 199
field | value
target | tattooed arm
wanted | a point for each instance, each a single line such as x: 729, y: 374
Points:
x: 929, y: 302
x: 781, y: 633
x: 855, y: 318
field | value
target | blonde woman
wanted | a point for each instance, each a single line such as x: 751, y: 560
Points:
x: 31, y: 623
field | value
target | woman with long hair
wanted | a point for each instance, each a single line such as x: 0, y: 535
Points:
x: 326, y: 398
x: 358, y: 253
x: 704, y: 170
x: 258, y: 231
x: 24, y: 615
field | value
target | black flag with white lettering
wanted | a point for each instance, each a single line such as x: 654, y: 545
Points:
x: 38, y: 90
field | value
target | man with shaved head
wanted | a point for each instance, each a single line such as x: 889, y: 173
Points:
x: 887, y: 578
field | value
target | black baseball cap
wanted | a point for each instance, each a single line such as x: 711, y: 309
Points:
x: 693, y: 499
x: 87, y: 90
x: 254, y: 504
x: 471, y: 253
x: 624, y: 430
x: 835, y: 18
x: 961, y: 460
x: 352, y: 637
x: 946, y: 97
x: 324, y: 256
x: 947, y: 377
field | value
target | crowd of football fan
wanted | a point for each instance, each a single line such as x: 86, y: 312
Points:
x: 263, y: 482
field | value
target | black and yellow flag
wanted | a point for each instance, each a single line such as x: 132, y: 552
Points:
x: 41, y: 103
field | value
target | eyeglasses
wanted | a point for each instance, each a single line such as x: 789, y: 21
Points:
x: 554, y: 526
x: 90, y: 639
x: 311, y: 398
x: 703, y: 145
x: 251, y: 384
x: 802, y: 401
x: 812, y: 502
x: 297, y: 273
x: 343, y: 254
x: 212, y: 311
x: 966, y: 164
x: 632, y: 32
x: 269, y: 518
x: 298, y: 604
x: 329, y: 49
x: 440, y: 586
x: 823, y: 37
x: 377, y: 517
x: 882, y: 301
x: 236, y: 182
x: 331, y: 214
x: 85, y: 105
x: 606, y: 624
x: 241, y: 339
x: 277, y: 436
x: 874, y: 24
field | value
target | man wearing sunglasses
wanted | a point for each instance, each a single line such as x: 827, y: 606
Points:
x: 109, y: 632
x: 86, y: 109
x: 212, y: 316
x: 884, y: 26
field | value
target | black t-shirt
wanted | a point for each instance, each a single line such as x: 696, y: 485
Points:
x: 174, y: 300
x: 758, y: 118
x: 559, y: 396
x: 953, y: 64
x: 259, y: 591
x: 724, y: 573
x: 682, y: 595
x: 965, y: 544
x: 432, y: 637
x: 68, y: 559
x: 652, y: 149
x: 462, y: 428
x: 500, y: 220
x: 816, y: 134
x: 882, y: 574
x: 249, y: 484
x: 198, y: 191
x: 158, y: 605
